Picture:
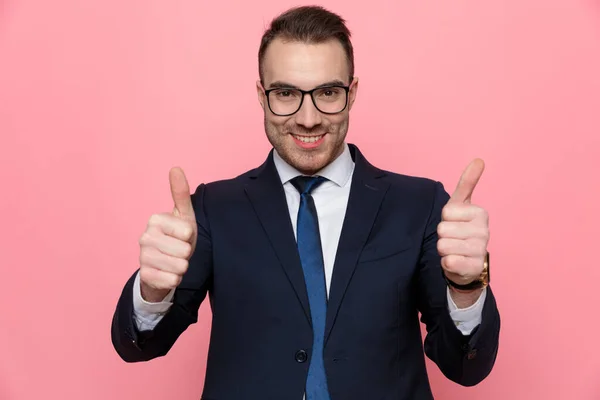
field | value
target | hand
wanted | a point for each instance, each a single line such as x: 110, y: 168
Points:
x: 168, y: 242
x: 464, y: 232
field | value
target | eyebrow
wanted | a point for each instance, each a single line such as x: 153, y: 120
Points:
x: 285, y: 85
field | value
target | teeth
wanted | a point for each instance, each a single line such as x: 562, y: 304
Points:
x: 308, y: 139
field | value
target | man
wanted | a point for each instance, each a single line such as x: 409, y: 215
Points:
x: 316, y: 263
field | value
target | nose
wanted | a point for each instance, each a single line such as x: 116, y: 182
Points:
x: 308, y: 115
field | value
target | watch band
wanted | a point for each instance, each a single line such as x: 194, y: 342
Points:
x: 481, y: 282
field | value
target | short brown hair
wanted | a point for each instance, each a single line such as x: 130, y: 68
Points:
x: 309, y: 24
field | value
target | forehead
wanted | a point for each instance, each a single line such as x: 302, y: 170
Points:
x: 305, y: 65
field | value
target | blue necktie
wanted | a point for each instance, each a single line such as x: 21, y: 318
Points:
x: 311, y: 257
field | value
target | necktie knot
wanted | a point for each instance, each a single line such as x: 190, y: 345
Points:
x: 306, y: 184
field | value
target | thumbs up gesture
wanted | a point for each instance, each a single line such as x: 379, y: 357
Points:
x: 463, y: 232
x: 168, y: 242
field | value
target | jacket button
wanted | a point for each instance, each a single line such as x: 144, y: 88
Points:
x: 472, y: 354
x: 301, y: 356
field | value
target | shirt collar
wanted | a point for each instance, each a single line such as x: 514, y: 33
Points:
x: 338, y: 171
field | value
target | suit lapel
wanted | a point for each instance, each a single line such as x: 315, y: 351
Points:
x: 366, y: 193
x: 267, y: 196
x: 266, y: 193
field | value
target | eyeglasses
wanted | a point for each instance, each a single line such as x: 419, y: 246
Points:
x: 327, y: 99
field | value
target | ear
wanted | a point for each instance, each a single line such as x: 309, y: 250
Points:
x: 260, y: 93
x: 353, y: 92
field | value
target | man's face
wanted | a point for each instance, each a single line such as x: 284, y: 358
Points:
x: 308, y: 139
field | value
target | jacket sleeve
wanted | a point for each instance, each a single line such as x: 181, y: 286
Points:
x: 133, y: 345
x: 464, y: 359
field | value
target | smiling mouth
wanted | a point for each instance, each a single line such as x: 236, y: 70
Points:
x: 308, y: 139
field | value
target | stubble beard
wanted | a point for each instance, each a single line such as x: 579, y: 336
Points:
x: 307, y: 162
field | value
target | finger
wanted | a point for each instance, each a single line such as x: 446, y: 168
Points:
x: 180, y: 191
x: 151, y: 257
x: 456, y: 212
x: 461, y: 279
x: 457, y: 247
x: 166, y: 244
x: 460, y: 230
x: 462, y: 266
x: 159, y: 279
x: 467, y: 182
x: 172, y: 226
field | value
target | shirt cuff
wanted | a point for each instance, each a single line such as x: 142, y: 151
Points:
x: 466, y: 319
x: 147, y: 315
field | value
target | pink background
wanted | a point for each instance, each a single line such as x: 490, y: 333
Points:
x: 98, y: 99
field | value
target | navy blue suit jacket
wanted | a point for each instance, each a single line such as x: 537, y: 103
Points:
x: 387, y: 271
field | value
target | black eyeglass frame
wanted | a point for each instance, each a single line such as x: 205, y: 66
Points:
x: 304, y: 93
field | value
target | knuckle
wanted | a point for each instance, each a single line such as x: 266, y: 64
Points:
x: 485, y: 234
x: 165, y: 281
x: 187, y: 231
x: 446, y: 212
x: 444, y: 266
x: 154, y: 220
x: 145, y: 239
x: 442, y: 229
x: 485, y: 215
x: 440, y: 245
x: 444, y: 262
x: 445, y: 243
x: 476, y: 246
x: 174, y: 281
x: 482, y: 215
x: 187, y: 250
x: 482, y: 251
x: 448, y: 264
x: 182, y: 266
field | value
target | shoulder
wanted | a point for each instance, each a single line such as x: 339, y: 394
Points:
x: 407, y: 186
x: 223, y: 190
x: 419, y: 196
x: 414, y: 186
x: 416, y: 199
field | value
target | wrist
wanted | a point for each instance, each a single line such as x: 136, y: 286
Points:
x: 465, y: 298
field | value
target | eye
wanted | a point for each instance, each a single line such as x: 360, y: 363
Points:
x: 285, y: 93
x: 330, y: 91
x: 329, y: 94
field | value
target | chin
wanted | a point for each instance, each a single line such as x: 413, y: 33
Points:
x: 310, y: 163
x: 306, y: 160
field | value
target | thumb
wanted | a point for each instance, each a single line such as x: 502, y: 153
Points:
x: 180, y: 191
x: 468, y: 181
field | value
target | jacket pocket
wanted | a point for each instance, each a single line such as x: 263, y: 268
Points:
x: 380, y: 251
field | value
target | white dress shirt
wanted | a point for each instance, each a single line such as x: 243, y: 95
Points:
x: 331, y: 199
